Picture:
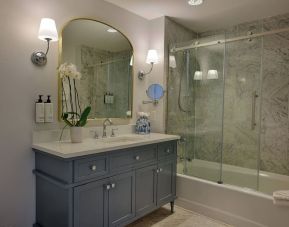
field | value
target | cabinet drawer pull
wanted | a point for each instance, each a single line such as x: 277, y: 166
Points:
x: 137, y: 157
x: 161, y: 170
x: 113, y: 185
x: 107, y: 187
x: 93, y: 167
x: 168, y: 150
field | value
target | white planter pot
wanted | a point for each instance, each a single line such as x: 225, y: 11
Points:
x: 76, y: 134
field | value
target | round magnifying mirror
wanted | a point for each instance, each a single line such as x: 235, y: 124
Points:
x: 155, y: 92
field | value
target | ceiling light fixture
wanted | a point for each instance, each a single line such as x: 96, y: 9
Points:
x: 195, y: 2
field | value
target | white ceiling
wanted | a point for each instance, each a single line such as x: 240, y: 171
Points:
x: 212, y: 14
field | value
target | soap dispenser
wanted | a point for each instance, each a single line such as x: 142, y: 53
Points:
x: 48, y: 110
x: 39, y: 110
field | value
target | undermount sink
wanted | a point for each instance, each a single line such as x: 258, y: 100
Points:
x: 122, y: 139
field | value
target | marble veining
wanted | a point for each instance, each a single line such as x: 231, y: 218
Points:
x: 220, y: 116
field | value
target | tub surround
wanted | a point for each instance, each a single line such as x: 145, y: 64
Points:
x: 66, y: 149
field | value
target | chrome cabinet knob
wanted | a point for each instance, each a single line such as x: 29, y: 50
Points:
x: 113, y: 185
x: 168, y: 150
x: 93, y: 167
x: 157, y: 170
x: 161, y: 170
x: 137, y: 157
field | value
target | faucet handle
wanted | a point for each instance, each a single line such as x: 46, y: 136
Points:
x: 93, y: 134
x: 113, y: 132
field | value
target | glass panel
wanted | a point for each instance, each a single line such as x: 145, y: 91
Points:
x: 207, y: 72
x: 274, y: 163
x: 242, y: 113
x: 180, y: 104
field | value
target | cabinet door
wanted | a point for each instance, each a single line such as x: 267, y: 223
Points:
x: 90, y: 205
x: 121, y: 198
x: 145, y: 181
x: 166, y: 185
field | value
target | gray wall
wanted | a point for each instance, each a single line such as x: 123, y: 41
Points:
x: 21, y: 82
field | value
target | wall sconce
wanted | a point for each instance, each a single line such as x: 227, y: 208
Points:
x: 172, y: 62
x: 152, y: 58
x: 198, y: 75
x: 47, y: 32
x: 212, y: 74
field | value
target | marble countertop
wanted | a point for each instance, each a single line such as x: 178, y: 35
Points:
x: 66, y: 149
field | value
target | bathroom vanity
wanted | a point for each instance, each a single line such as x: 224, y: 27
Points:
x: 104, y: 182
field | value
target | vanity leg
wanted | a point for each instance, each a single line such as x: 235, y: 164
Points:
x: 172, y: 206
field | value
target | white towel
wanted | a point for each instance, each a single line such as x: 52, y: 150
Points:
x: 281, y: 195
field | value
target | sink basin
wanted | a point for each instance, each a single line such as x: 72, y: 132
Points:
x: 121, y: 139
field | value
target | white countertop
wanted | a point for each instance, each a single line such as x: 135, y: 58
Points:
x: 66, y: 149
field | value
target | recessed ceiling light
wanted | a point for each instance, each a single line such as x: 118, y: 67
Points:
x: 111, y: 30
x: 195, y: 2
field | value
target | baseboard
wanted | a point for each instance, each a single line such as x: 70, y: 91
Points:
x: 217, y: 214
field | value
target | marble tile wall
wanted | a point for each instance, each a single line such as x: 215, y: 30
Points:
x: 178, y: 121
x: 259, y: 65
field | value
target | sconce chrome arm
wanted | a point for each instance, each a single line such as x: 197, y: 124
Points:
x: 141, y: 73
x: 39, y: 58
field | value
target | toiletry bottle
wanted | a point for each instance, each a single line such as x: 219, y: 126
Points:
x: 48, y: 110
x: 39, y: 110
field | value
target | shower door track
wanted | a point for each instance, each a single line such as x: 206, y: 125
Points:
x: 222, y: 41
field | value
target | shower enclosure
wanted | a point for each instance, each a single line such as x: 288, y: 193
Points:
x: 228, y: 99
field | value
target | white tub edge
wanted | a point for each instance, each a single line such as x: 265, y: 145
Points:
x: 230, y: 204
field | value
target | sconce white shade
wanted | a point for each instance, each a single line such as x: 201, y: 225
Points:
x: 172, y: 62
x: 152, y: 57
x: 212, y: 75
x: 131, y: 61
x: 198, y: 75
x: 47, y: 30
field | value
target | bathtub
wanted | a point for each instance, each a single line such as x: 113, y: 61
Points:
x: 235, y: 205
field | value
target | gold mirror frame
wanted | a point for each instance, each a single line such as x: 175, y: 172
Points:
x: 94, y: 121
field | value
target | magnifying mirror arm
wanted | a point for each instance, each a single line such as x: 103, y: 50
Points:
x: 141, y: 73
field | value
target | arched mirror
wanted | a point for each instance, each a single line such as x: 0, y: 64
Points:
x: 103, y: 57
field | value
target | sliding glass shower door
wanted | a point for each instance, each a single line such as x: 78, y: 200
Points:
x: 243, y: 70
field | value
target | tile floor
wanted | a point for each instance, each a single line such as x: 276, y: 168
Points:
x: 180, y: 218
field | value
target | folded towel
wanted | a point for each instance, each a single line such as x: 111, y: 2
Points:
x: 281, y: 195
x: 280, y: 202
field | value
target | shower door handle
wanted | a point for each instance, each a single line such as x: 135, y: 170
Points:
x: 253, y: 122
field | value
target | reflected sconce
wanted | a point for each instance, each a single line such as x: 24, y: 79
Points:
x: 152, y: 58
x: 198, y: 75
x: 172, y: 62
x: 47, y: 32
x: 212, y: 75
x: 131, y: 61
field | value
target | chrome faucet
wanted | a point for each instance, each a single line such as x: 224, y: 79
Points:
x: 107, y: 120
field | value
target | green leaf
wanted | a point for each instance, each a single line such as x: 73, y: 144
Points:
x: 83, y: 118
x: 64, y: 118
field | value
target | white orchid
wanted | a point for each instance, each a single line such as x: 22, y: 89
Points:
x: 69, y: 70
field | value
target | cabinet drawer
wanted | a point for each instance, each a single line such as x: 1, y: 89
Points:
x: 133, y: 157
x: 90, y: 168
x: 166, y: 150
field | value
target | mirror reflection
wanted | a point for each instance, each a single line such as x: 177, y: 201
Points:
x: 103, y: 56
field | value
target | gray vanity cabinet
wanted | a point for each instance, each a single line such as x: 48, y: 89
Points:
x: 145, y: 186
x: 108, y: 189
x: 166, y: 187
x: 90, y: 204
x: 121, y: 195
